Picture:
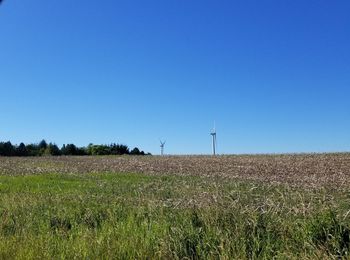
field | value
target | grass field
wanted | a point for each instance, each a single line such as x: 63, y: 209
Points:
x: 241, y: 207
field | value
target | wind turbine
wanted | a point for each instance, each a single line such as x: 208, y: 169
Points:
x: 213, y: 134
x: 162, y: 147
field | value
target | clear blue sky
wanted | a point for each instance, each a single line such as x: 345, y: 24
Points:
x: 274, y: 75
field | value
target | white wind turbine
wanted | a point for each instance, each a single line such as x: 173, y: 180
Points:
x: 213, y: 134
x: 162, y: 147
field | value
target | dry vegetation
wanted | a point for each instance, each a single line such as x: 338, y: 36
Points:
x: 307, y: 170
x: 175, y: 207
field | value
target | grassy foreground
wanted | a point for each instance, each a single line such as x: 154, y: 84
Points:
x: 128, y: 216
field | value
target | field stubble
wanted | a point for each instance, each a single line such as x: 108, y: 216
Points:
x: 306, y: 170
x: 175, y: 207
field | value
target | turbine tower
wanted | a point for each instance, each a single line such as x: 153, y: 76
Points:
x: 213, y: 134
x: 162, y: 147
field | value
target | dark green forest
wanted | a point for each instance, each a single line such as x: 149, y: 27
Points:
x: 45, y: 149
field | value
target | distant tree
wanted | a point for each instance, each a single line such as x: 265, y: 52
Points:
x: 81, y: 151
x: 43, y: 148
x: 43, y: 144
x: 7, y: 149
x: 52, y: 149
x: 21, y: 150
x: 99, y: 150
x: 135, y: 151
x: 119, y: 149
x: 89, y: 149
x: 33, y: 150
x: 63, y: 149
x: 2, y: 149
x: 114, y: 149
x: 69, y: 149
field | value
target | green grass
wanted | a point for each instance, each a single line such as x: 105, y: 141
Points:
x: 128, y: 216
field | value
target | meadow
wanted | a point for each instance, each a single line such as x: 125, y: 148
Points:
x: 176, y: 207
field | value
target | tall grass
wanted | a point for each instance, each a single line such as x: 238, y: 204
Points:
x: 133, y: 216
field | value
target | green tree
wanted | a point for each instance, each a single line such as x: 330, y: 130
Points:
x: 99, y: 150
x: 33, y: 150
x: 69, y: 149
x: 7, y: 149
x: 42, y: 147
x: 135, y: 151
x: 43, y: 144
x: 52, y: 149
x: 21, y: 150
x: 119, y: 149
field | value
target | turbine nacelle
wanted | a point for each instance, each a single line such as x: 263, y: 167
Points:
x: 162, y: 147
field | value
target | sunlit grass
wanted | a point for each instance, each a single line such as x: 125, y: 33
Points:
x: 139, y: 216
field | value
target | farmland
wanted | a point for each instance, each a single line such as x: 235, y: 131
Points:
x: 243, y: 207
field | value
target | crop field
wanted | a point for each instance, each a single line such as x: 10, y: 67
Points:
x: 175, y: 207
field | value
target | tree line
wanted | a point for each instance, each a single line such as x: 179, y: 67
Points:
x: 43, y: 148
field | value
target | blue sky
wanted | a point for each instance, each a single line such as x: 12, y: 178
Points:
x: 274, y: 75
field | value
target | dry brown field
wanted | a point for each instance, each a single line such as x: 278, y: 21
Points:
x: 306, y: 170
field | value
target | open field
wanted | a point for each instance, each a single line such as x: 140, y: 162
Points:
x: 243, y: 207
x: 309, y: 170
